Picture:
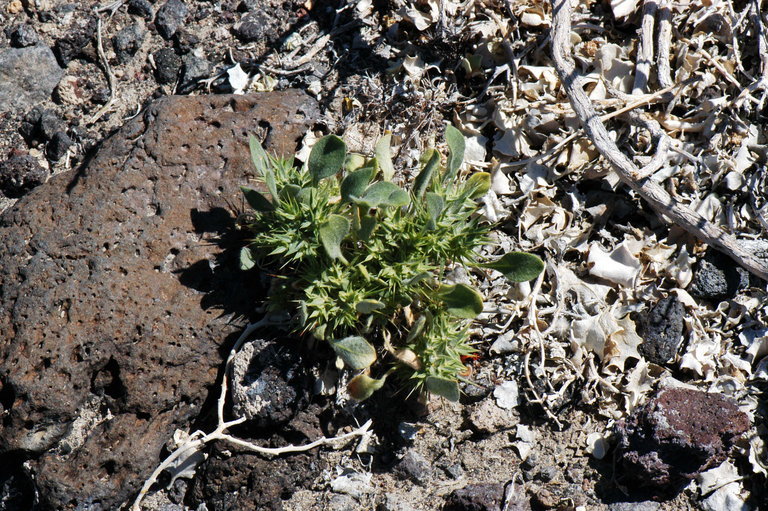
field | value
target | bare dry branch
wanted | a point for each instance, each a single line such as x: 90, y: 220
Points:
x: 651, y: 192
x: 663, y: 42
x: 645, y: 52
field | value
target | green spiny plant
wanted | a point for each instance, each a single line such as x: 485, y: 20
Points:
x: 361, y: 261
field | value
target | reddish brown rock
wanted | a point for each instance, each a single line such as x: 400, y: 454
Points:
x: 676, y: 435
x: 117, y: 292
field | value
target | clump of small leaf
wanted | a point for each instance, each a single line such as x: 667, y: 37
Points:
x: 361, y: 261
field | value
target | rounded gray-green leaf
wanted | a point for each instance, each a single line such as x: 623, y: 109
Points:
x: 382, y: 193
x: 355, y: 351
x: 332, y: 233
x: 355, y: 183
x: 478, y: 184
x: 456, y: 146
x: 326, y: 157
x: 461, y: 300
x: 362, y: 386
x: 256, y: 200
x: 246, y: 259
x: 384, y: 157
x: 368, y: 306
x: 448, y: 389
x: 518, y: 266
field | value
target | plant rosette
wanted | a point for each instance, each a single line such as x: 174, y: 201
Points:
x: 361, y: 262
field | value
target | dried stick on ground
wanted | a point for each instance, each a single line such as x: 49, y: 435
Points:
x: 663, y: 42
x: 651, y: 192
x: 645, y: 52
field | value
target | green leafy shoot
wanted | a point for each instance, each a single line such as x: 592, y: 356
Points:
x: 361, y: 262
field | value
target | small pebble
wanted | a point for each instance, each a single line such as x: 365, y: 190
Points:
x: 408, y: 430
x: 58, y: 146
x: 455, y: 471
x: 22, y: 35
x: 167, y: 66
x: 170, y: 17
x: 140, y: 8
x: 186, y: 41
x: 128, y: 41
x: 50, y: 124
x: 250, y: 28
x: 416, y: 467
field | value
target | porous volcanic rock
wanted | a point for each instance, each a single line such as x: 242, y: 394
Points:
x: 118, y: 286
x: 676, y: 435
x: 661, y: 328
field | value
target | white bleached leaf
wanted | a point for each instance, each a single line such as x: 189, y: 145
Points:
x: 500, y: 183
x: 623, y: 8
x: 622, y: 344
x: 702, y: 356
x: 185, y: 465
x: 756, y: 450
x: 507, y: 395
x: 354, y: 484
x: 721, y: 489
x: 421, y: 20
x: 475, y: 148
x: 526, y: 441
x: 492, y: 208
x: 513, y: 143
x: 639, y: 383
x: 756, y: 342
x: 535, y: 176
x: 238, y: 79
x: 681, y: 268
x: 597, y: 445
x: 534, y: 18
x: 619, y: 266
x: 615, y: 70
x: 613, y: 341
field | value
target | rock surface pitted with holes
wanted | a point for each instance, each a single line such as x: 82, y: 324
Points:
x: 117, y: 292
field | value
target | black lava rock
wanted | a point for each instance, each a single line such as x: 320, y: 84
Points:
x: 661, y: 328
x: 718, y: 277
x: 71, y: 45
x: 269, y: 384
x: 22, y: 35
x: 100, y: 95
x: 50, y: 124
x: 186, y: 41
x: 167, y: 66
x: 415, y: 467
x: 128, y: 41
x: 252, y: 27
x: 20, y: 174
x: 170, y: 17
x: 59, y: 144
x: 30, y: 125
x: 475, y: 497
x: 193, y: 69
x: 140, y: 8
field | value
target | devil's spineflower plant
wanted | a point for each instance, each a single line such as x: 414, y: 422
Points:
x: 361, y: 262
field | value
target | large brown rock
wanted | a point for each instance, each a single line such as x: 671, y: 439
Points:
x: 679, y: 433
x: 118, y: 292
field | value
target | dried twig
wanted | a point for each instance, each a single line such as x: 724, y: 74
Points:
x: 107, y: 71
x: 663, y: 42
x: 760, y: 83
x: 198, y: 439
x: 651, y: 192
x: 645, y: 52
